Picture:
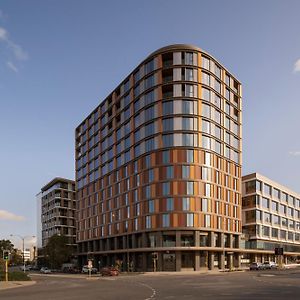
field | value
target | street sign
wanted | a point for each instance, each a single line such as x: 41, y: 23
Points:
x: 278, y: 251
x: 90, y: 264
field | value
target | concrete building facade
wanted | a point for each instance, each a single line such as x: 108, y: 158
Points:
x: 57, y: 206
x: 271, y: 219
x: 158, y: 167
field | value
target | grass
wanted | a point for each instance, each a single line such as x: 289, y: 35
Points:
x: 15, y: 276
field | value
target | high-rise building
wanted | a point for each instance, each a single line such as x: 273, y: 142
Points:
x: 57, y: 205
x: 158, y: 167
x: 271, y: 218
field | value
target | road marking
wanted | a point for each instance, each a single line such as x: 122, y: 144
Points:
x: 151, y: 288
x: 267, y: 275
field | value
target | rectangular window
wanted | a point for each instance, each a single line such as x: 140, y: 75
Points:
x: 170, y: 204
x: 168, y: 124
x: 151, y: 206
x: 190, y: 188
x: 166, y: 188
x: 189, y: 220
x: 165, y: 220
x: 185, y: 203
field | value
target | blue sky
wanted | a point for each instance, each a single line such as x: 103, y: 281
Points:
x: 59, y: 59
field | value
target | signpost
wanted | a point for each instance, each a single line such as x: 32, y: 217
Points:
x: 154, y: 258
x: 279, y: 253
x: 90, y: 266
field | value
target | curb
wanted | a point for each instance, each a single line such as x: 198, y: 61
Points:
x: 15, y: 284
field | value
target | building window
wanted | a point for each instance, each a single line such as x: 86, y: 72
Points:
x: 165, y: 220
x: 190, y: 188
x: 267, y: 189
x: 170, y: 204
x: 207, y: 221
x: 151, y: 206
x: 189, y: 220
x: 166, y: 188
x: 185, y: 203
x: 170, y: 172
x: 168, y: 124
x: 148, y: 222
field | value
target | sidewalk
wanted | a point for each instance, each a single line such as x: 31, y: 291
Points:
x: 14, y: 284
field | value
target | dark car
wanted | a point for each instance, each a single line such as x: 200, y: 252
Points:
x: 109, y: 271
x: 256, y: 266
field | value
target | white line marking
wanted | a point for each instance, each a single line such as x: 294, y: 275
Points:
x: 151, y: 288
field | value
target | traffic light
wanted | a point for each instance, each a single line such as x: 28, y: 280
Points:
x: 6, y: 255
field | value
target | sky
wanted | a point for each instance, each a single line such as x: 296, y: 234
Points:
x: 60, y: 58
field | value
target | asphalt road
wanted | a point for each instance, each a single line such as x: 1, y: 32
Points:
x: 237, y: 285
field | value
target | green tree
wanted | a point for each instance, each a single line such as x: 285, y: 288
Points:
x: 15, y: 257
x: 57, y: 251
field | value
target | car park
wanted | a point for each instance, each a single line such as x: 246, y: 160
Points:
x: 109, y: 271
x: 256, y: 266
x: 45, y: 270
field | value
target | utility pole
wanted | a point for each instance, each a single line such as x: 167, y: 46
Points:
x: 23, y: 246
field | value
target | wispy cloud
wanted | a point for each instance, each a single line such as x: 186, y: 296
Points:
x: 297, y: 66
x: 6, y: 215
x: 11, y: 66
x: 2, y: 17
x: 294, y: 153
x: 17, y: 50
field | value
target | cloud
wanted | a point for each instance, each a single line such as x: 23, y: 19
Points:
x: 19, y: 53
x: 294, y: 153
x: 6, y: 215
x: 3, y: 34
x: 297, y: 66
x: 12, y: 67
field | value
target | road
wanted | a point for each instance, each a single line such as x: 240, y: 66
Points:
x: 236, y: 285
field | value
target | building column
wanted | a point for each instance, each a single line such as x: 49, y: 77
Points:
x: 197, y: 238
x: 144, y: 240
x: 237, y: 260
x: 211, y: 239
x: 144, y: 262
x: 178, y: 239
x: 211, y: 260
x: 221, y: 260
x: 178, y: 260
x: 160, y: 262
x: 197, y: 260
x: 230, y: 258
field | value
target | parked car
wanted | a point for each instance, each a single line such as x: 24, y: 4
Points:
x: 27, y: 268
x: 45, y: 270
x: 269, y: 265
x: 86, y: 270
x: 71, y: 270
x: 109, y: 271
x: 256, y: 266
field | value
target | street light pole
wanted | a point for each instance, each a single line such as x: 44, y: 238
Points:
x: 23, y: 244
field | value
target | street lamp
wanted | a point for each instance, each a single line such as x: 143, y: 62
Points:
x: 23, y: 244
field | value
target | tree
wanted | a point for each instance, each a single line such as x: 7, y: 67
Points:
x: 57, y: 251
x: 15, y: 257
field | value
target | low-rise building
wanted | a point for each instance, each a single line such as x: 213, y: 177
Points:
x: 271, y: 219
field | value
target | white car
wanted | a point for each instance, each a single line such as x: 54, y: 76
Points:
x: 26, y: 268
x: 45, y: 270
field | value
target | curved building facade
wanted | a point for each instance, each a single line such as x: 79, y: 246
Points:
x: 158, y: 167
